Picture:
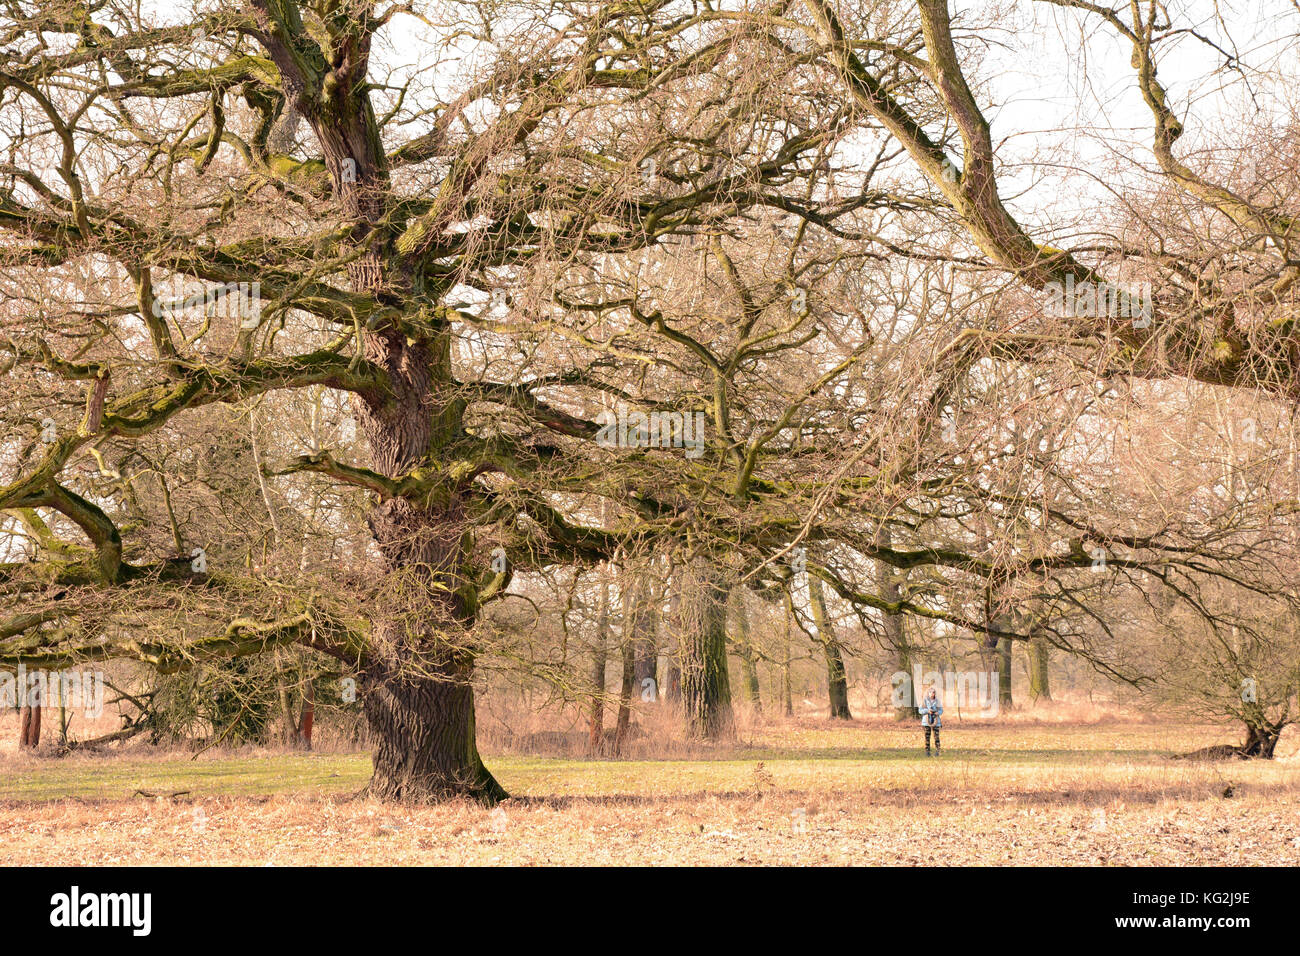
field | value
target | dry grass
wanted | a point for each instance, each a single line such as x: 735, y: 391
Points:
x: 796, y: 792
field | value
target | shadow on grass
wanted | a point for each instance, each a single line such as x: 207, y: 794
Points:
x: 938, y: 800
x: 1000, y: 755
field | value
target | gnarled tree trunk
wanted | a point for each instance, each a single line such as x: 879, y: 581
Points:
x: 1262, y: 734
x: 416, y: 670
x: 417, y: 695
x: 415, y: 683
x: 421, y: 714
x: 1260, y: 742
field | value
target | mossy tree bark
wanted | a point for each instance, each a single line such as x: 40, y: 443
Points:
x: 418, y: 699
x: 416, y: 680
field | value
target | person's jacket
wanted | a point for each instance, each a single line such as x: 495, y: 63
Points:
x: 930, y: 709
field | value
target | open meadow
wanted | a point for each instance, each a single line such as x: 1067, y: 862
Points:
x: 796, y: 792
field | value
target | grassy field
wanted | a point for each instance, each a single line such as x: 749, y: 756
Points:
x: 800, y: 792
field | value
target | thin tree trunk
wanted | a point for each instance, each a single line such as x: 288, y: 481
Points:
x: 1040, y: 685
x: 745, y: 651
x: 624, y: 720
x: 646, y: 663
x: 31, y: 699
x: 639, y: 620
x: 672, y: 688
x: 1004, y: 674
x: 787, y: 688
x: 24, y: 722
x: 753, y: 691
x: 896, y: 635
x: 308, y: 717
x: 599, y: 655
x: 286, y: 708
x: 63, y: 718
x: 837, y: 683
x: 996, y: 652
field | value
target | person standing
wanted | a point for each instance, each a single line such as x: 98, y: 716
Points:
x: 931, y: 708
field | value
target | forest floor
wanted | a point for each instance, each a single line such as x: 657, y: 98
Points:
x: 798, y: 792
